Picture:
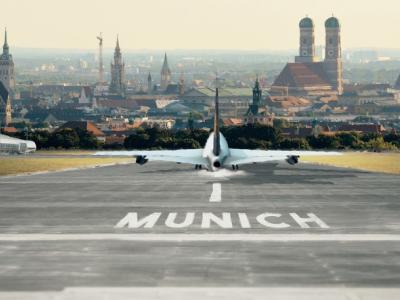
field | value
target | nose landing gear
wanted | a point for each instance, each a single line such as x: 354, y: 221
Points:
x: 198, y: 167
x: 235, y: 167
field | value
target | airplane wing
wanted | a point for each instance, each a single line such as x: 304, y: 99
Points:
x: 244, y: 156
x: 188, y: 156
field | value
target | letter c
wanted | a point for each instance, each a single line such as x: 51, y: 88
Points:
x: 262, y: 219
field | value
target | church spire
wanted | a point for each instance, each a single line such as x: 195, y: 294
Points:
x: 165, y: 67
x: 117, y: 85
x: 117, y: 47
x: 257, y: 93
x: 257, y: 84
x: 5, y: 46
x: 165, y: 74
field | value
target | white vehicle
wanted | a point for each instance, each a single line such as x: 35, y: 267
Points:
x: 216, y: 153
x: 13, y: 145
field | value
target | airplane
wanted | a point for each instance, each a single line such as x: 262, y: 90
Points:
x: 216, y: 153
x: 13, y: 145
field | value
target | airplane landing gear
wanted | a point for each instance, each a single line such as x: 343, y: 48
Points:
x: 198, y: 167
x: 235, y: 167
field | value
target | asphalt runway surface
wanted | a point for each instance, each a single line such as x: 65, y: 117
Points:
x: 168, y: 231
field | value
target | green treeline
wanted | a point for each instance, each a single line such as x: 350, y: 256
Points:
x: 66, y: 138
x: 247, y: 137
x: 259, y: 137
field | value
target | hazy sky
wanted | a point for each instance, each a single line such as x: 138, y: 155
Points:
x: 201, y: 24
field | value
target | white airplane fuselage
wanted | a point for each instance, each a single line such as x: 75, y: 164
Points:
x: 215, y: 162
x: 13, y: 145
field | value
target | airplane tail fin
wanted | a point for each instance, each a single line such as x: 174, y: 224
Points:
x: 217, y: 146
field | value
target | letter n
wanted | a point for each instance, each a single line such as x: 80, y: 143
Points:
x: 224, y: 222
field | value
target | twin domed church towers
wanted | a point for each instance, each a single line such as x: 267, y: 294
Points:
x: 309, y: 76
x: 333, y: 52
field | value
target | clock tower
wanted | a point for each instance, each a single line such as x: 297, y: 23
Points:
x: 333, y: 54
x: 307, y: 41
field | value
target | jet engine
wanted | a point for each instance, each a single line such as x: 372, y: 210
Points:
x: 217, y: 164
x: 141, y: 160
x: 292, y: 159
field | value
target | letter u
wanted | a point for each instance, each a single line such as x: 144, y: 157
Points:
x: 170, y: 221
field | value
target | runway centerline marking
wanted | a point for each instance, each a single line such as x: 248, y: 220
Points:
x: 184, y: 237
x: 216, y: 192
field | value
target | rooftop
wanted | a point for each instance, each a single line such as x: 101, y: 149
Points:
x: 302, y: 75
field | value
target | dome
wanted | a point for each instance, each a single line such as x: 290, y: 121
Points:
x: 332, y: 22
x: 306, y: 23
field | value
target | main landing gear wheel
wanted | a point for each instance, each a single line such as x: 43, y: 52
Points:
x: 235, y: 167
x: 198, y: 167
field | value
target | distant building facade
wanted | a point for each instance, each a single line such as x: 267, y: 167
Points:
x: 307, y: 76
x: 362, y: 94
x: 7, y: 73
x: 149, y: 84
x: 165, y: 75
x: 117, y: 85
x: 233, y: 102
x: 86, y: 95
x: 5, y: 106
x: 181, y: 85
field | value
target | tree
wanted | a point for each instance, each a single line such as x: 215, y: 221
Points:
x: 294, y: 144
x: 393, y: 138
x: 369, y: 136
x: 379, y: 144
x: 86, y: 139
x: 350, y: 140
x: 280, y: 123
x: 137, y: 140
x: 187, y: 144
x: 324, y: 142
x: 66, y: 138
x: 269, y: 135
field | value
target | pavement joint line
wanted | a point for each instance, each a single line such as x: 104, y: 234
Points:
x: 204, y: 237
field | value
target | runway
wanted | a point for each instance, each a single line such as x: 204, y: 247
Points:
x: 169, y: 231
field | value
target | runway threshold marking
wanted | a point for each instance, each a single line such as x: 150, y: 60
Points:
x: 216, y: 193
x: 184, y: 237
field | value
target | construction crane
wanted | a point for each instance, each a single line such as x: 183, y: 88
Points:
x: 101, y: 67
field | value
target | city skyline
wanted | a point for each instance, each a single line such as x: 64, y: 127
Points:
x: 221, y: 24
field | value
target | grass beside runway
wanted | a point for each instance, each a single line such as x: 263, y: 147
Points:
x: 12, y: 165
x: 64, y: 152
x: 374, y: 162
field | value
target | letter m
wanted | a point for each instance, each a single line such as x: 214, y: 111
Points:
x: 131, y: 221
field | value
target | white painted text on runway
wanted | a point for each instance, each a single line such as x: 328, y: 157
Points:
x: 224, y: 220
